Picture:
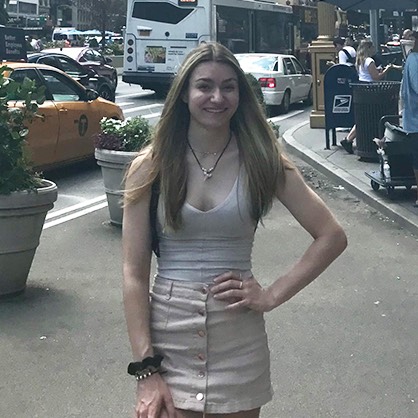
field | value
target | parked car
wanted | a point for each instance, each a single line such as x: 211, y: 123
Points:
x: 87, y: 77
x: 90, y: 58
x: 68, y: 119
x: 282, y: 78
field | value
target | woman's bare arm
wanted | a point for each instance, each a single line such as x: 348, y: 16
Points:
x: 136, y: 269
x: 329, y: 238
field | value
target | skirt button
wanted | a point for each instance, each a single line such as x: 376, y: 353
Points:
x: 200, y: 396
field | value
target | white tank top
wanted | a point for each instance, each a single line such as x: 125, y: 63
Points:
x: 210, y: 242
x: 363, y: 71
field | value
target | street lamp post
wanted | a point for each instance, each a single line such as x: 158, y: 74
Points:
x: 322, y: 50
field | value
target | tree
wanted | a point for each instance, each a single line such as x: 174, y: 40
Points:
x: 106, y: 14
x: 56, y: 5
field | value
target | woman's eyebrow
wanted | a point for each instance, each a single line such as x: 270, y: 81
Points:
x: 210, y: 80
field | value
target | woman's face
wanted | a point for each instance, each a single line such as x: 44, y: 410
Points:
x: 212, y: 95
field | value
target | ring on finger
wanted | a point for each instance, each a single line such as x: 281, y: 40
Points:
x: 240, y: 285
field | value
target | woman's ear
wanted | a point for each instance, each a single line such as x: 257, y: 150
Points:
x: 184, y: 97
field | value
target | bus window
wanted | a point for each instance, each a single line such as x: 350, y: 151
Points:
x: 272, y: 30
x: 232, y: 29
x: 159, y: 12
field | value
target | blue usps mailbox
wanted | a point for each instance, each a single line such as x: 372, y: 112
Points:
x: 338, y: 99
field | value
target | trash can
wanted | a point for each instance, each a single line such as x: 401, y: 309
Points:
x: 372, y: 101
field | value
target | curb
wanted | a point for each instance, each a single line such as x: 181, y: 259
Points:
x: 351, y: 183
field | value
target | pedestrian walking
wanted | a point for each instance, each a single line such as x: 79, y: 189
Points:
x: 198, y: 340
x: 409, y: 96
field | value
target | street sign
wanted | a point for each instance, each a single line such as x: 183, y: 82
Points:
x: 338, y: 99
x: 12, y: 44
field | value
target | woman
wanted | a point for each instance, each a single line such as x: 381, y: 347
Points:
x: 409, y: 96
x: 219, y: 169
x: 367, y: 73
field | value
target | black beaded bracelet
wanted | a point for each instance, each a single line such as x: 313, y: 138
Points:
x: 149, y: 371
x: 136, y: 368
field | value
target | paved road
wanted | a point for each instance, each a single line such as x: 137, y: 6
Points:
x: 345, y: 347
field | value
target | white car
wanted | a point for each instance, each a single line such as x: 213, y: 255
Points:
x: 282, y: 78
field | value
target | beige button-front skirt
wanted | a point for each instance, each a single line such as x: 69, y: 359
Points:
x: 216, y: 361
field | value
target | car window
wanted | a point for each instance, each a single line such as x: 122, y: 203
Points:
x: 69, y: 67
x: 298, y: 66
x: 88, y: 56
x: 20, y: 74
x: 98, y: 57
x: 258, y: 63
x: 48, y: 61
x: 288, y: 66
x: 60, y: 87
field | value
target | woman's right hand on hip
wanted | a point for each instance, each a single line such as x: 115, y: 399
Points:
x: 154, y: 398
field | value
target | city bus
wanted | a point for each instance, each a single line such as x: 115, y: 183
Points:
x: 159, y: 34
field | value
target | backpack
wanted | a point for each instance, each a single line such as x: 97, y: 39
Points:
x: 350, y: 58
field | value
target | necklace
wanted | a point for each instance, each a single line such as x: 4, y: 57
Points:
x: 208, y: 172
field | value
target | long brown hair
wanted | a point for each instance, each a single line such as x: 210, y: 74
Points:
x: 256, y: 141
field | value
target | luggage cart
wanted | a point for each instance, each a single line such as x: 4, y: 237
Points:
x: 395, y: 158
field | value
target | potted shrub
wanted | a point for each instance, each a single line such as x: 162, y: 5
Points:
x: 25, y: 198
x: 116, y: 146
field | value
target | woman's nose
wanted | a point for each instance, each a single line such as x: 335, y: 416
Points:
x: 217, y: 95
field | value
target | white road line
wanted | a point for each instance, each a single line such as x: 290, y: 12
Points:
x: 151, y: 115
x: 283, y: 117
x: 75, y: 207
x: 134, y: 109
x: 141, y: 93
x: 74, y: 215
x: 125, y: 103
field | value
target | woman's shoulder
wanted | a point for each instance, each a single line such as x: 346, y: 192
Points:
x: 141, y: 166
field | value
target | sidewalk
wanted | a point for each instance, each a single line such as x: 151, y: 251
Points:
x: 348, y: 171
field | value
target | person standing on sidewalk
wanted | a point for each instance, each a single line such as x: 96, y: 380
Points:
x: 346, y: 52
x: 367, y: 73
x: 199, y: 341
x: 409, y: 96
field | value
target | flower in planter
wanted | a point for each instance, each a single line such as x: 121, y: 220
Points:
x: 131, y: 134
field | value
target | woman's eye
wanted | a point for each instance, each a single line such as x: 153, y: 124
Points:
x: 203, y: 87
x: 229, y: 88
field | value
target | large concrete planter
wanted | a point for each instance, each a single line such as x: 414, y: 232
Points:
x: 114, y: 165
x: 22, y: 216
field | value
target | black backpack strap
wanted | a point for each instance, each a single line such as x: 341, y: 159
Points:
x: 153, y: 208
x: 350, y: 58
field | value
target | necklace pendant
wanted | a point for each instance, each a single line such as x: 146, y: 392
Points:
x: 207, y: 172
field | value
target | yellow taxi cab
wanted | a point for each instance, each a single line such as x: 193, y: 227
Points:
x: 68, y: 119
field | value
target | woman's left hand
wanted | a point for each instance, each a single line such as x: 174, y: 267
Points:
x: 241, y: 293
